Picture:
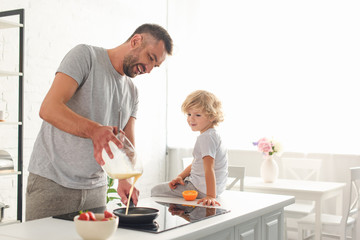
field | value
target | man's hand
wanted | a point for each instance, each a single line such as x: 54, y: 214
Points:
x: 100, y: 137
x: 176, y: 181
x: 123, y: 190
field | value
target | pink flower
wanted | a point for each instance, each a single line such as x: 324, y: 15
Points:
x: 265, y: 146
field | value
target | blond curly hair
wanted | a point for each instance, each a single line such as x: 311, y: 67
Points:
x: 204, y: 101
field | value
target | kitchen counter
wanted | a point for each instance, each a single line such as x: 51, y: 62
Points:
x: 257, y: 214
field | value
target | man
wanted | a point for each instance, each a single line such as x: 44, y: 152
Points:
x: 92, y: 94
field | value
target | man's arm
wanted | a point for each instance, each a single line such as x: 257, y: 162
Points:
x: 54, y: 111
x: 129, y: 130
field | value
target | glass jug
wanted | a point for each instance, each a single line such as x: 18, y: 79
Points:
x: 125, y: 163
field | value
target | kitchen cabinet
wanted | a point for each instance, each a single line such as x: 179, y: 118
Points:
x: 272, y: 225
x: 9, y: 76
x: 227, y: 234
x: 249, y: 231
x: 267, y: 227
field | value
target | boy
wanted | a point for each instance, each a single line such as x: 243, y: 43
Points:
x: 208, y: 173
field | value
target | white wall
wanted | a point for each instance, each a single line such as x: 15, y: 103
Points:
x: 52, y: 28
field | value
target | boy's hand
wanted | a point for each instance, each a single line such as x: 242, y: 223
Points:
x: 209, y: 201
x: 176, y: 181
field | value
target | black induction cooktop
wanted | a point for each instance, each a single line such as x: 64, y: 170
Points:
x: 171, y: 216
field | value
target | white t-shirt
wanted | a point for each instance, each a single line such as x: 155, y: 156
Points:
x: 209, y: 144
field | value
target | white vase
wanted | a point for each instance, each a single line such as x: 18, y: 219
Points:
x: 269, y: 170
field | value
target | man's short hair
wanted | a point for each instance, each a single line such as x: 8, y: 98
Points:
x: 158, y: 32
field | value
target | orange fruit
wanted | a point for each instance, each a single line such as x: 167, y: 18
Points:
x: 189, y: 195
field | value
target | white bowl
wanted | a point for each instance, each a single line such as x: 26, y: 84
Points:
x: 96, y: 230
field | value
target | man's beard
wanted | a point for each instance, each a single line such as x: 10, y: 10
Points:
x: 130, y: 61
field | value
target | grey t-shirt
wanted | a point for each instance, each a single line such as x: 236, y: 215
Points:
x: 103, y: 95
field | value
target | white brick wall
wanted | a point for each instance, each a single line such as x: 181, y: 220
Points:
x: 52, y: 28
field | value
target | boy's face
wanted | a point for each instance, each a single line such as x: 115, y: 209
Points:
x: 198, y: 121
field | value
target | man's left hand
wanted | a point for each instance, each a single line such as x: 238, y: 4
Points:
x: 123, y: 190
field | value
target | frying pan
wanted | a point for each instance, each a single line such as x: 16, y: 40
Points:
x: 136, y: 215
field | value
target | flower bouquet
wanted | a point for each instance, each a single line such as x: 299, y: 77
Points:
x: 269, y: 170
x: 269, y: 147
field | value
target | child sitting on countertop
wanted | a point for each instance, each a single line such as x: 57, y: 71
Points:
x: 208, y: 171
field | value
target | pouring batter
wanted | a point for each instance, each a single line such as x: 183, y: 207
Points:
x: 91, y: 86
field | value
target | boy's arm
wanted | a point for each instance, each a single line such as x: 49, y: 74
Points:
x: 180, y: 178
x: 210, y: 182
x: 186, y: 172
x: 210, y: 176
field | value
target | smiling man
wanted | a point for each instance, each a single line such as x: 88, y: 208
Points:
x: 91, y: 98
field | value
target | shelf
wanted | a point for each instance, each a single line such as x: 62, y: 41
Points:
x: 8, y: 24
x: 7, y: 222
x: 15, y: 19
x: 9, y: 172
x: 9, y: 74
x: 10, y: 123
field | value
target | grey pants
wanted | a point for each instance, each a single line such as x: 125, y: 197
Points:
x: 163, y: 190
x: 45, y: 198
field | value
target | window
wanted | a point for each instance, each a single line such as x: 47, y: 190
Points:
x: 283, y: 69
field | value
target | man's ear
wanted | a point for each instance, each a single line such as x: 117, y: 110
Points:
x: 136, y: 40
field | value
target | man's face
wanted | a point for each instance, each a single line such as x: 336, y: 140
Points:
x: 144, y: 58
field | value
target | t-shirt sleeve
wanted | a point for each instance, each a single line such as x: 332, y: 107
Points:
x: 136, y: 103
x: 77, y: 63
x: 207, y: 146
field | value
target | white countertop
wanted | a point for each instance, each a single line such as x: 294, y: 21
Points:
x: 243, y: 206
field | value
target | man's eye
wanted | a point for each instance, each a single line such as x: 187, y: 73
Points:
x: 198, y: 115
